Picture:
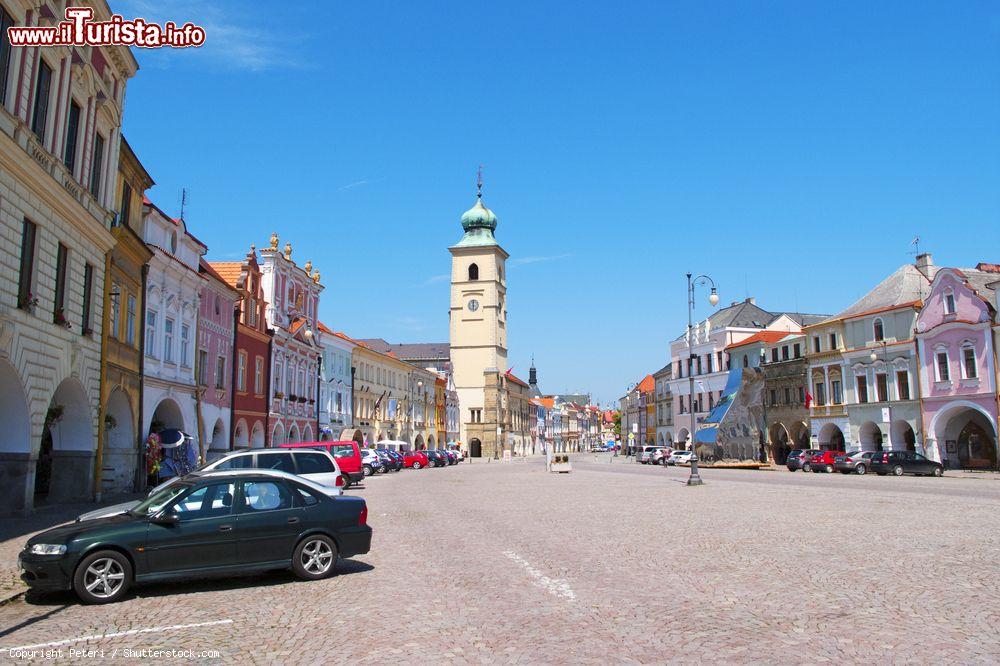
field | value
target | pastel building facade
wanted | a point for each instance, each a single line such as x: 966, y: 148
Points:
x: 217, y: 361
x: 174, y: 287
x: 958, y: 382
x: 292, y: 293
x: 252, y: 352
x: 336, y: 385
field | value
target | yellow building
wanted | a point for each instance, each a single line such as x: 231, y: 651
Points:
x: 120, y: 455
x: 380, y: 389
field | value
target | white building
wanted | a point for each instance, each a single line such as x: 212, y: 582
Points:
x: 173, y: 297
x: 60, y: 115
x: 336, y: 385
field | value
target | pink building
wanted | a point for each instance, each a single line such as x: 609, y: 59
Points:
x: 213, y: 367
x: 957, y: 380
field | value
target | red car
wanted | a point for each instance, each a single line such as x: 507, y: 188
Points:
x: 347, y: 453
x: 822, y: 461
x: 415, y: 459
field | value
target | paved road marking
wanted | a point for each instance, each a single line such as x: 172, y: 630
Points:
x: 557, y: 586
x: 117, y: 634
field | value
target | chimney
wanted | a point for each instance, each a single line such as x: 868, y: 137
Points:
x: 751, y: 300
x: 924, y: 264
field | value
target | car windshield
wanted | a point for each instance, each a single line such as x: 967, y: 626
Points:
x: 158, y: 500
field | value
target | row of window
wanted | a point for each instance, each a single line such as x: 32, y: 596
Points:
x: 296, y: 381
x: 696, y: 365
x: 26, y: 300
x: 698, y: 403
x: 241, y: 373
x: 942, y: 365
x: 39, y: 119
x: 787, y: 394
x: 172, y: 351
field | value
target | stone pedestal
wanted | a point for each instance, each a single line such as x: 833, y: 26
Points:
x: 72, y: 476
x: 17, y: 483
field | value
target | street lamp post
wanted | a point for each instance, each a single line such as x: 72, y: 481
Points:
x: 888, y: 393
x: 695, y: 479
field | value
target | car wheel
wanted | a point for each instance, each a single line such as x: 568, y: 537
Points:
x: 103, y: 577
x: 897, y: 470
x: 861, y: 469
x: 367, y: 470
x: 314, y: 557
x: 416, y: 465
x: 806, y: 467
x: 829, y: 469
x: 347, y: 481
x: 937, y: 471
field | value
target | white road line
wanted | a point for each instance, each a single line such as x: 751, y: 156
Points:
x: 556, y: 586
x: 117, y: 634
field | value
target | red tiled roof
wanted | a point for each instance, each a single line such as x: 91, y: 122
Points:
x: 767, y: 337
x: 515, y: 379
x: 229, y: 271
x: 325, y: 329
x: 548, y: 403
x: 647, y: 385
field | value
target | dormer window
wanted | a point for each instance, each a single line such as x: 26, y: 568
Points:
x: 879, y: 330
x: 949, y: 303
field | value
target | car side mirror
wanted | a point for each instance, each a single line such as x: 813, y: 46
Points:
x: 165, y: 518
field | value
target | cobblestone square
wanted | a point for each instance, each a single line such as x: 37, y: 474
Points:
x: 615, y: 562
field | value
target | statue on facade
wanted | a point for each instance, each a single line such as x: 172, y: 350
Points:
x: 274, y: 241
x: 288, y: 251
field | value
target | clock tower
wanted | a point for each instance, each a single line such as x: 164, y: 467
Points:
x: 478, y: 328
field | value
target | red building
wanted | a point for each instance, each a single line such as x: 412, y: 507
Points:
x: 252, y: 353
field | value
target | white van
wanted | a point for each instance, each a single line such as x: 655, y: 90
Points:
x: 393, y: 445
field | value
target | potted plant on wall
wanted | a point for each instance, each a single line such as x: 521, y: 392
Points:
x: 110, y: 422
x: 59, y: 318
x: 28, y: 303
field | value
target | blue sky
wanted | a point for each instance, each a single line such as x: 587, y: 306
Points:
x: 790, y: 150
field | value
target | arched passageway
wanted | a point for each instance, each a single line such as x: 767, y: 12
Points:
x: 257, y: 436
x: 120, y: 460
x: 64, y: 470
x: 831, y: 438
x: 871, y: 436
x: 475, y: 448
x: 966, y: 437
x: 15, y: 443
x: 780, y: 443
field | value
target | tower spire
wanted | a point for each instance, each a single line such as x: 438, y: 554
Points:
x: 479, y: 182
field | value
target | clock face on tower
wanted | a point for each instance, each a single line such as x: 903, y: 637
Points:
x: 473, y: 305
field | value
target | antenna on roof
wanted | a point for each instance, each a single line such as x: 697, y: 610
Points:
x: 916, y: 245
x: 184, y: 195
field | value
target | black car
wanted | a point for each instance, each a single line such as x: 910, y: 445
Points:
x: 387, y: 462
x: 799, y: 459
x: 436, y: 458
x: 899, y: 463
x: 396, y: 460
x: 208, y: 523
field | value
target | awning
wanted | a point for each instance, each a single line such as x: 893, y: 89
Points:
x: 706, y: 435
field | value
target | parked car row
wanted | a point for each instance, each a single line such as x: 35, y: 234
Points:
x: 857, y: 461
x: 663, y: 455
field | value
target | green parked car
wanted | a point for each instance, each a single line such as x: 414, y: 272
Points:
x: 207, y: 523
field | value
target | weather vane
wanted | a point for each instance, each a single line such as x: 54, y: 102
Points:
x: 479, y: 182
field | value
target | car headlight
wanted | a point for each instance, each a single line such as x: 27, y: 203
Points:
x: 47, y: 549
